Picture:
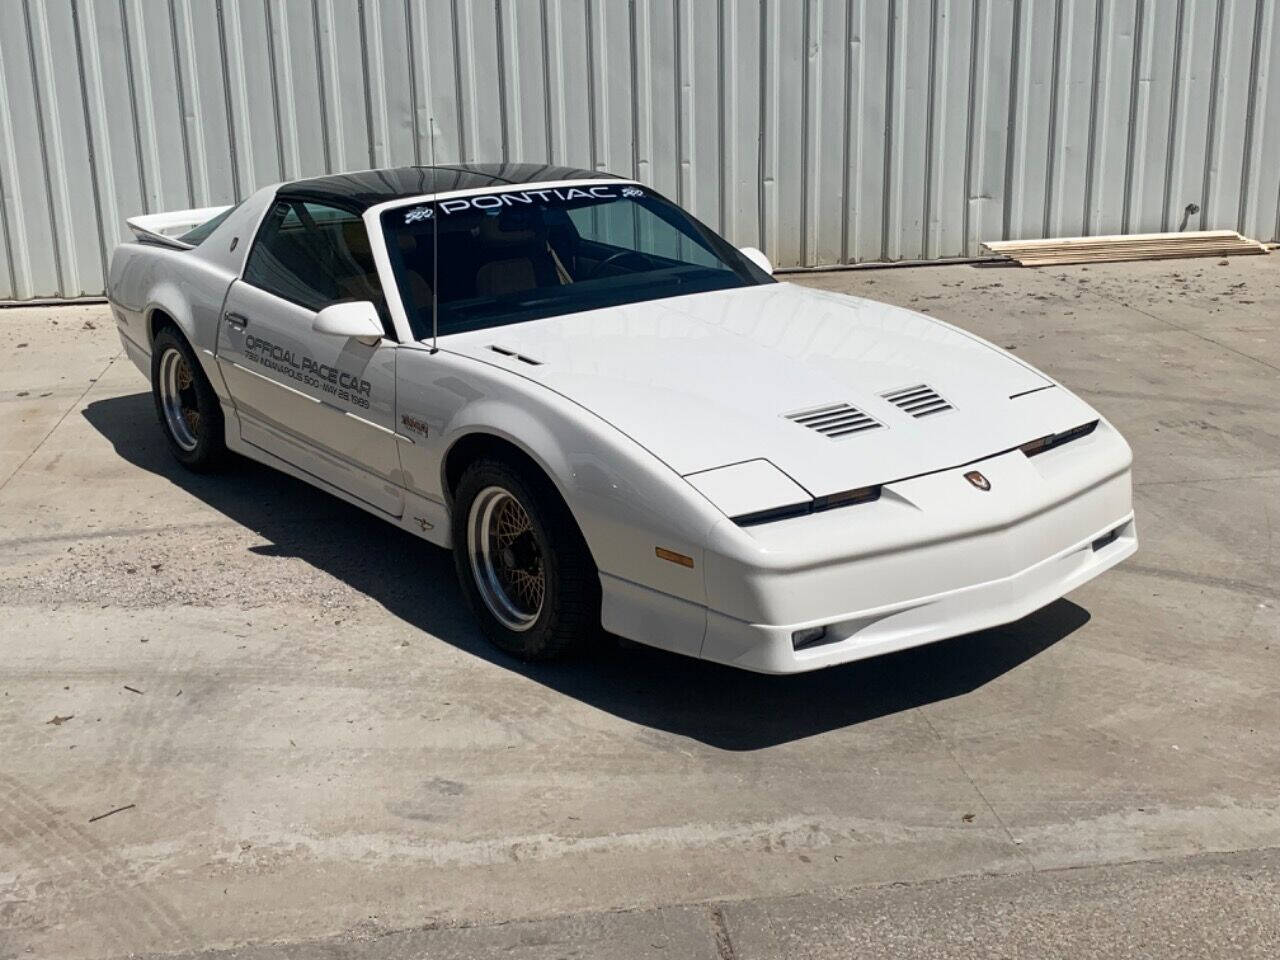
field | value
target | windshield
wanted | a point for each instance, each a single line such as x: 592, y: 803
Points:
x: 516, y: 255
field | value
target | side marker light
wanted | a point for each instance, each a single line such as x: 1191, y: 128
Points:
x: 664, y: 554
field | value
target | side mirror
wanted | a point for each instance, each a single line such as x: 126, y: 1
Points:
x: 358, y: 320
x: 758, y: 258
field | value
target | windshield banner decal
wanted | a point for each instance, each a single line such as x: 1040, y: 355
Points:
x: 517, y: 198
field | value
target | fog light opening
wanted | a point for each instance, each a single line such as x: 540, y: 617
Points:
x: 808, y: 637
x: 1107, y: 539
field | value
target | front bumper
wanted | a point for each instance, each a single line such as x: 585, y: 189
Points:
x: 934, y: 558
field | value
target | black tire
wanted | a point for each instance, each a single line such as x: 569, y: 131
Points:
x: 197, y: 440
x: 568, y: 614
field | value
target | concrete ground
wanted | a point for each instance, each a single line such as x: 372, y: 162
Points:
x: 320, y: 757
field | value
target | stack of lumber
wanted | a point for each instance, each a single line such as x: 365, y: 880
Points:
x: 1133, y: 246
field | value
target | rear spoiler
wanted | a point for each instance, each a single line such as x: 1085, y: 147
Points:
x: 166, y: 228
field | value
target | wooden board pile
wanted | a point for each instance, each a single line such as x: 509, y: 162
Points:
x: 1133, y: 246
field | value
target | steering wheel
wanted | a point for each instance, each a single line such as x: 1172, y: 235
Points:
x: 591, y: 274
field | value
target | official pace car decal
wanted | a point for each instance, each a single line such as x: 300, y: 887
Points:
x: 516, y: 198
x: 319, y: 376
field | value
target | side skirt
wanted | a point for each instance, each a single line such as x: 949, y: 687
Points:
x: 423, y: 518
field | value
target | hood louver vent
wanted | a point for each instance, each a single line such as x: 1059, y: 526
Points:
x: 834, y: 420
x: 919, y: 401
x: 515, y: 356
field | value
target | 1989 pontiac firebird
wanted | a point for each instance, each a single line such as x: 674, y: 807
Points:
x: 621, y: 421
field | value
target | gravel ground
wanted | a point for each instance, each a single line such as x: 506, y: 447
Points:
x: 238, y: 715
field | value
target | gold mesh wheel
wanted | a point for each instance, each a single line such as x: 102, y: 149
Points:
x: 506, y: 558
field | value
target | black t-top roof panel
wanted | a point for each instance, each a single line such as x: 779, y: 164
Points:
x: 367, y: 188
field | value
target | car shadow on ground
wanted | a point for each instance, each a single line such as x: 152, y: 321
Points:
x: 722, y: 707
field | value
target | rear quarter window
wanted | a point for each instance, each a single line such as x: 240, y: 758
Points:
x: 198, y: 235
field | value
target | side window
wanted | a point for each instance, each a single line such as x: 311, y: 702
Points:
x: 314, y: 255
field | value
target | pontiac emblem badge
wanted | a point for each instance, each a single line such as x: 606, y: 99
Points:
x: 978, y: 480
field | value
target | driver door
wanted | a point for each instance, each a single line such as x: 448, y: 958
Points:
x: 324, y: 404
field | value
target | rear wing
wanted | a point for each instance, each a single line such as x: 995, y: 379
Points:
x: 167, y: 228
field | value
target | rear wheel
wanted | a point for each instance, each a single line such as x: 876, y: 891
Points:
x: 187, y: 407
x: 523, y: 565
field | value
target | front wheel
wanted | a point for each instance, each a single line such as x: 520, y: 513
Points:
x: 186, y: 404
x: 522, y: 563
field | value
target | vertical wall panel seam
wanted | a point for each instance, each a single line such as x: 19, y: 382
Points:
x: 152, y: 172
x: 860, y: 161
x: 592, y: 116
x: 44, y: 150
x: 552, y: 45
x: 322, y: 94
x: 180, y: 92
x: 6, y: 240
x: 411, y: 62
x: 194, y: 130
x: 503, y: 118
x: 105, y: 168
x: 1015, y: 64
x: 1174, y: 106
x: 930, y: 129
x: 131, y: 87
x: 366, y: 85
x: 891, y: 44
x: 226, y: 96
x: 457, y: 80
x: 1275, y: 230
x: 633, y: 68
x: 283, y: 77
x: 1267, y: 90
x: 275, y: 87
x: 721, y: 167
x: 547, y: 115
x: 763, y: 132
x: 845, y: 132
x: 59, y: 202
x: 1051, y: 159
x: 679, y: 68
x: 382, y: 136
x: 805, y: 133
x: 240, y: 107
x: 1095, y: 85
x: 99, y: 219
x: 8, y: 162
x: 971, y: 105
x: 334, y: 87
x: 1246, y: 159
x: 1212, y: 125
x: 1135, y: 75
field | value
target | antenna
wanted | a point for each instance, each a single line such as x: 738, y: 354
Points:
x: 435, y: 250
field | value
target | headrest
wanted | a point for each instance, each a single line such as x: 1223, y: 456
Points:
x: 507, y: 230
x: 356, y: 238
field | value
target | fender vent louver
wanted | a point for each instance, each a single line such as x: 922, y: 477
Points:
x: 835, y: 420
x: 919, y: 401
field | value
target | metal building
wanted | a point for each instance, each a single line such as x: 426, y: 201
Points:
x: 824, y: 131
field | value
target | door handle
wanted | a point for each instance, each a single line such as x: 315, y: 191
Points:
x: 237, y: 320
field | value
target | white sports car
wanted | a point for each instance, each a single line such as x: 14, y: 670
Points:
x: 616, y: 419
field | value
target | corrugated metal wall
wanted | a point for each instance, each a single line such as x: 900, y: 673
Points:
x: 824, y: 131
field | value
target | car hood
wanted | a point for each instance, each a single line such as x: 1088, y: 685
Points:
x: 715, y: 378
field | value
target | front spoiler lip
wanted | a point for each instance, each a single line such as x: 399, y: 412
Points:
x: 766, y: 648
